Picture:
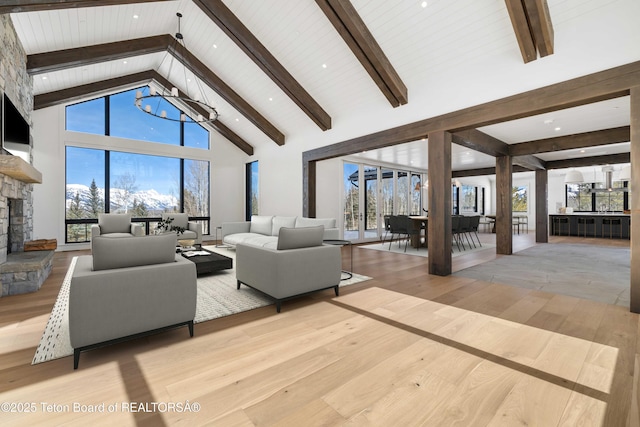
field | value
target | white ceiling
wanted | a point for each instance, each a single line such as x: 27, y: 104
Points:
x: 450, y: 55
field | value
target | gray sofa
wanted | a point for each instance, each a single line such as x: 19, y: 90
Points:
x: 128, y: 287
x: 300, y: 264
x: 262, y: 230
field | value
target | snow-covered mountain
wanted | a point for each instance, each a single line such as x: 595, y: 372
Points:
x: 154, y: 201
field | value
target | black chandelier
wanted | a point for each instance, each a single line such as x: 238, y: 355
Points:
x: 151, y: 101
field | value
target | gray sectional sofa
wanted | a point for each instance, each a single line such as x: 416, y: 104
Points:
x: 262, y: 230
x: 299, y: 264
x: 128, y: 287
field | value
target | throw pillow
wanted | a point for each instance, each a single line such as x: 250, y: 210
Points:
x: 311, y: 222
x: 301, y: 237
x: 261, y: 224
x: 282, y: 221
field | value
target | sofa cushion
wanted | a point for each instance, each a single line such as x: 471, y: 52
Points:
x: 132, y: 251
x: 114, y: 223
x: 282, y: 221
x: 300, y: 237
x: 312, y: 222
x: 261, y: 224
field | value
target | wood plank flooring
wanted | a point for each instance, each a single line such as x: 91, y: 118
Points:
x: 404, y: 348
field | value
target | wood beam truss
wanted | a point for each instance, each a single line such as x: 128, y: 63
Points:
x: 532, y: 25
x: 575, y: 141
x: 38, y: 5
x: 345, y: 19
x: 258, y: 53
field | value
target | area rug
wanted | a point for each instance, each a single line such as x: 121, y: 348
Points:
x: 588, y: 271
x: 218, y: 296
x: 423, y: 252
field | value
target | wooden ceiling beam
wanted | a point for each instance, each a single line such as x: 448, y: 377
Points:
x: 540, y: 25
x: 258, y: 53
x: 77, y: 93
x: 600, y: 86
x: 479, y: 141
x: 77, y: 57
x: 483, y: 171
x: 608, y: 159
x: 39, y: 5
x: 345, y: 19
x: 529, y: 162
x: 520, y: 24
x: 209, y: 78
x: 569, y: 142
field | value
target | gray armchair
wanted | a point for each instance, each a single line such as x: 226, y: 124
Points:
x: 192, y: 229
x: 116, y: 225
x: 300, y: 265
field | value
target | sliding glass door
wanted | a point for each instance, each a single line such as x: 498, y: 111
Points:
x: 360, y: 202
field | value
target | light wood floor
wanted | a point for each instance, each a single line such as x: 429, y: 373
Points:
x: 405, y: 348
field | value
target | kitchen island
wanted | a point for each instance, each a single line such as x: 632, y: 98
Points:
x: 585, y: 224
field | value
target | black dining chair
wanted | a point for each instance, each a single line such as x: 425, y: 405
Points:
x: 455, y: 231
x: 396, y: 228
x: 412, y: 228
x: 474, y: 224
x: 387, y: 227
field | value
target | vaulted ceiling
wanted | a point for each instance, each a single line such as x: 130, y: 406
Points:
x: 277, y: 68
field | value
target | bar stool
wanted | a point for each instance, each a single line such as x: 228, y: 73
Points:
x: 559, y: 222
x: 585, y: 223
x: 610, y: 223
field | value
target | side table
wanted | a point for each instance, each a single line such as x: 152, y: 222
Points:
x: 338, y: 242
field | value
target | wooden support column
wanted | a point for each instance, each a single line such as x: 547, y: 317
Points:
x: 635, y: 200
x: 504, y: 206
x: 542, y: 206
x: 439, y: 195
x: 308, y: 188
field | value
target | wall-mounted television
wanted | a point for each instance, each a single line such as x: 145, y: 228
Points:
x: 15, y: 130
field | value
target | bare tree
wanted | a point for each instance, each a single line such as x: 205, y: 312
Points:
x: 196, y: 188
x: 125, y: 186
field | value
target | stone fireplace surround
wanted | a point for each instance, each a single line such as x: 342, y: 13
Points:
x: 20, y: 272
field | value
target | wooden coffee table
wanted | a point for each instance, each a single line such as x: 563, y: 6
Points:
x: 209, y: 263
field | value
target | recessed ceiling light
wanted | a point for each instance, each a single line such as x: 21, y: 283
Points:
x: 135, y: 16
x: 124, y: 62
x: 44, y: 77
x: 582, y: 151
x: 237, y: 119
x: 215, y: 46
x: 324, y: 65
x: 423, y: 4
x: 270, y: 99
x: 557, y: 128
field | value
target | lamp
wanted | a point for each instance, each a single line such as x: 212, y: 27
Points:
x: 202, y: 111
x: 574, y: 176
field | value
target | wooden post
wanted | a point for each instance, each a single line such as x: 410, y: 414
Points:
x: 542, y: 206
x: 439, y: 195
x: 504, y: 205
x: 635, y: 200
x: 308, y: 188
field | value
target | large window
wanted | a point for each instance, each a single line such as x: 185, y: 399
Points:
x: 593, y: 197
x: 144, y: 185
x: 519, y: 199
x: 469, y: 198
x: 252, y: 191
x: 116, y: 115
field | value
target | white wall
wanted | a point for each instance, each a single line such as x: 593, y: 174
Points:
x: 227, y: 166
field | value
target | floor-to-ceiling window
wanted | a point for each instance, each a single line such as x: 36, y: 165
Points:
x: 252, y: 190
x: 143, y: 184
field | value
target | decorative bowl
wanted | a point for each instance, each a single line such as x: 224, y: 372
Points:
x: 185, y: 243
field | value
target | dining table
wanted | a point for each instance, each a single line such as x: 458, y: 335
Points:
x: 422, y: 222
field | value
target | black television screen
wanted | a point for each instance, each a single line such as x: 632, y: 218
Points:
x: 16, y: 128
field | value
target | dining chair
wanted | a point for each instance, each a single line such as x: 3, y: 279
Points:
x: 387, y: 227
x: 412, y: 228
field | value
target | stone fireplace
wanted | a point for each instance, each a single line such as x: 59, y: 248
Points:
x: 20, y: 271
